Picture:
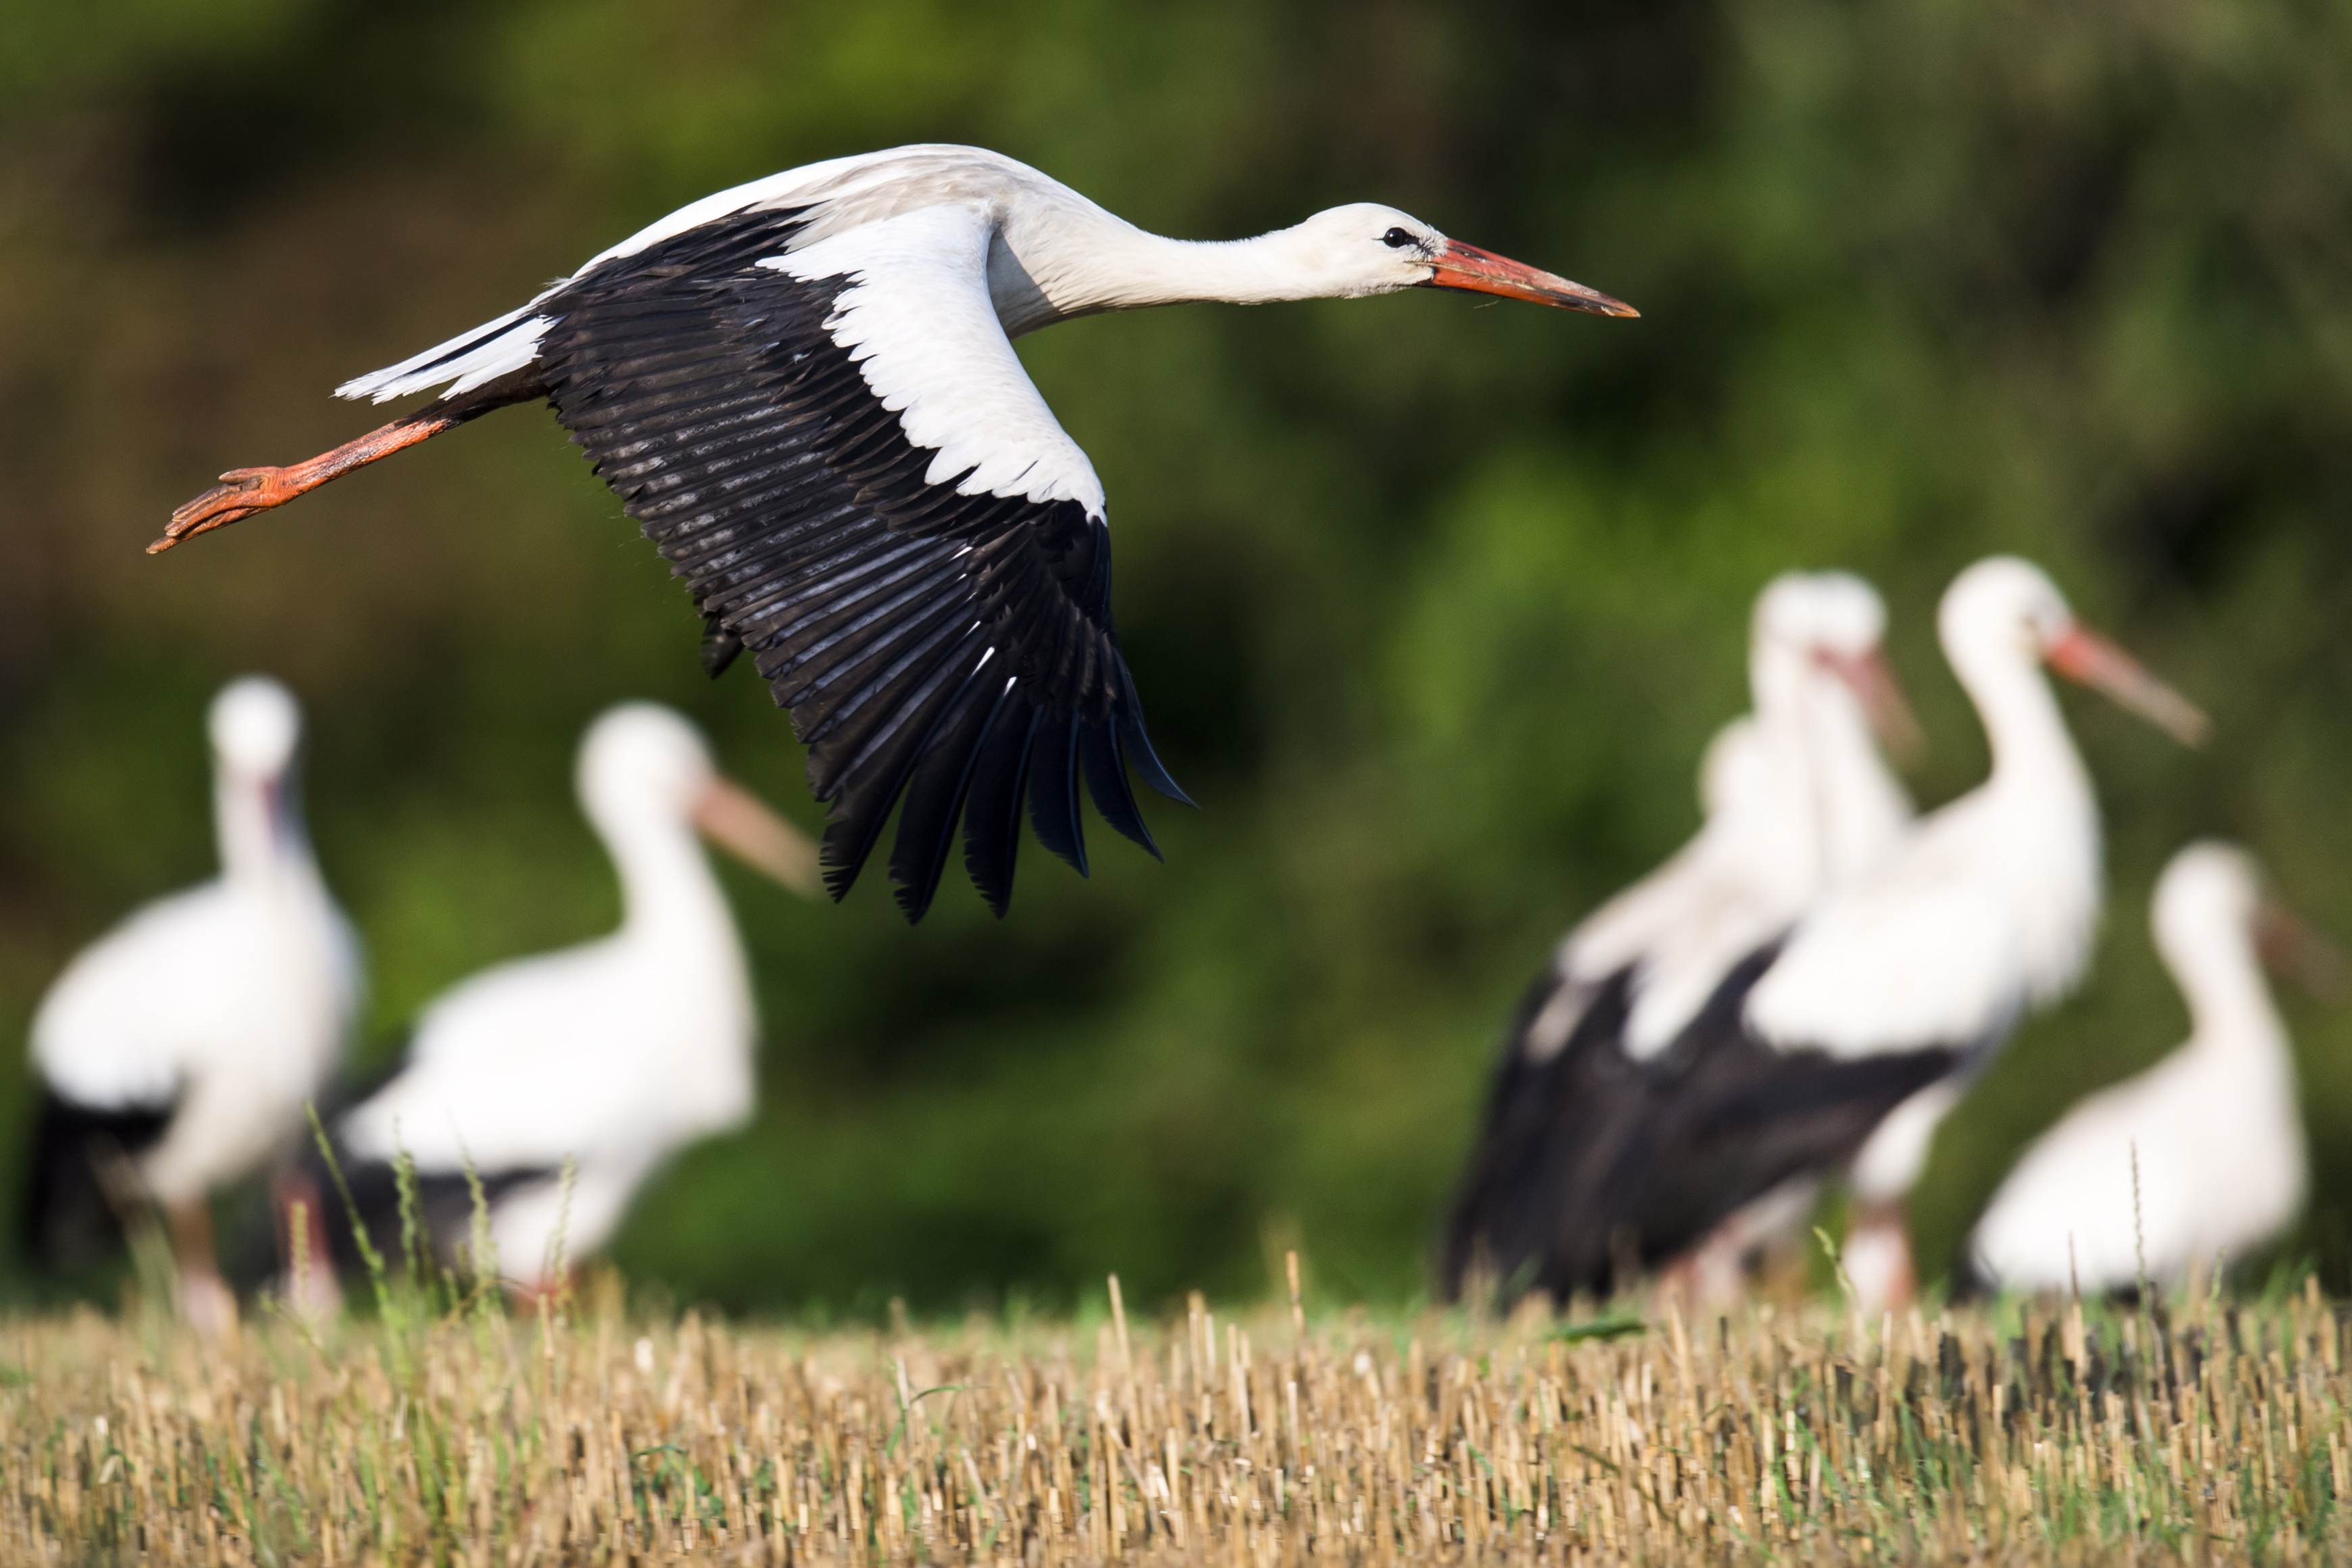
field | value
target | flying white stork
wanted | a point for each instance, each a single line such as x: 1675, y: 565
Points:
x: 804, y: 391
x: 1798, y: 799
x: 180, y: 1047
x: 611, y: 1056
x: 2197, y: 1159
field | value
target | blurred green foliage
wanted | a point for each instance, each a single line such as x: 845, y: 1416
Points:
x: 1433, y: 606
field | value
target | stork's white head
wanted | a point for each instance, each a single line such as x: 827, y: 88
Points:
x: 255, y: 725
x: 1345, y: 252
x: 2004, y: 614
x: 641, y: 758
x: 2207, y: 895
x: 644, y: 772
x: 2213, y: 900
x: 1832, y: 611
x: 1810, y: 623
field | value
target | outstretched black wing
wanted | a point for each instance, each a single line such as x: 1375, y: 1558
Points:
x: 953, y: 650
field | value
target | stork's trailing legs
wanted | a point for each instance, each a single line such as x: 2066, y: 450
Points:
x: 245, y: 491
x: 206, y: 1300
x: 308, y: 1282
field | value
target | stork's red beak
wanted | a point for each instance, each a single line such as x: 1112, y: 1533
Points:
x: 2288, y: 945
x: 2082, y: 654
x: 738, y: 821
x: 1467, y: 268
x: 1872, y: 680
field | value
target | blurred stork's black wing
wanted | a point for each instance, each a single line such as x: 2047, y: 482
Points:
x: 1593, y: 1164
x: 80, y: 1154
x: 1558, y: 1126
x: 953, y: 650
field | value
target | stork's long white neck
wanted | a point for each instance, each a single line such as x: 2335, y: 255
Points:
x: 1863, y: 811
x: 2230, y: 1008
x: 2037, y: 818
x: 1053, y: 262
x: 2033, y: 754
x: 1781, y: 678
x: 261, y: 841
x: 670, y: 895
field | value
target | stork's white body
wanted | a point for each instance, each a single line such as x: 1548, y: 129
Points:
x: 612, y: 1055
x: 2195, y: 1162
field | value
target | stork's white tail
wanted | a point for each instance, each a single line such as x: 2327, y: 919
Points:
x: 466, y: 360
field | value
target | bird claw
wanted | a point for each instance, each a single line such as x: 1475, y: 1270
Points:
x: 240, y: 493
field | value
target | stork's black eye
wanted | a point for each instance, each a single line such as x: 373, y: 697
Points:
x: 1397, y: 240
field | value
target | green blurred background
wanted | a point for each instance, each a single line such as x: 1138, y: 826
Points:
x: 1433, y: 606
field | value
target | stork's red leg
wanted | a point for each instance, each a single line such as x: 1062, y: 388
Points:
x: 206, y: 1300
x: 245, y: 491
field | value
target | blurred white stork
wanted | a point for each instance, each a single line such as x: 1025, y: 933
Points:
x: 804, y: 390
x: 611, y: 1056
x: 1798, y: 799
x: 1849, y: 1041
x: 180, y: 1046
x: 2201, y: 1157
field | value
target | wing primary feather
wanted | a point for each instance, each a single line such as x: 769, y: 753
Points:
x: 992, y: 813
x: 864, y: 789
x: 1053, y: 789
x: 935, y: 796
x: 1107, y: 781
x: 720, y: 646
x: 1137, y: 743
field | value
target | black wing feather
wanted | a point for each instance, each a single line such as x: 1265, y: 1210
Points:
x: 1053, y: 789
x: 927, y: 822
x: 991, y: 814
x: 956, y: 651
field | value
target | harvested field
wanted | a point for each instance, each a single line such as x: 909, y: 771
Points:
x: 478, y: 1435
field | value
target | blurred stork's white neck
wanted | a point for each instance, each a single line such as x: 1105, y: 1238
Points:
x: 257, y: 828
x: 668, y: 892
x: 2026, y: 730
x: 2209, y: 950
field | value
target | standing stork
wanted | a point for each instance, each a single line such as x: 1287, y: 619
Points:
x: 803, y: 389
x: 1798, y: 799
x: 1849, y: 1041
x: 610, y: 1056
x: 2199, y: 1157
x: 180, y: 1047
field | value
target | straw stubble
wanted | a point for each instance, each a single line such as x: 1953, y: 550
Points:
x: 1973, y: 1436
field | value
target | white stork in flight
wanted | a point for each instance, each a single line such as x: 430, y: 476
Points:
x: 804, y: 391
x: 2199, y: 1159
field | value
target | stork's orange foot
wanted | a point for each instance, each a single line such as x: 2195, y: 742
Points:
x: 241, y: 493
